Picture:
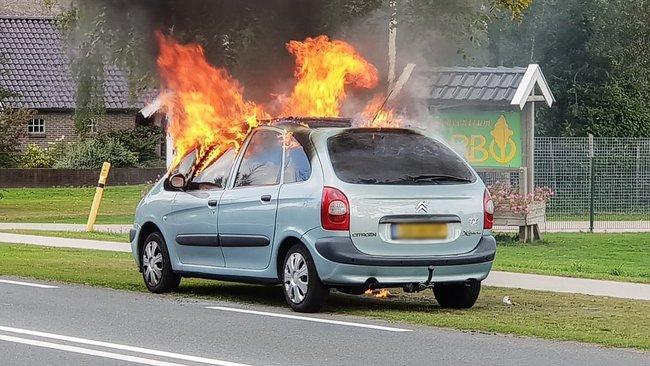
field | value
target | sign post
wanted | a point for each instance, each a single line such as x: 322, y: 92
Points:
x: 99, y: 193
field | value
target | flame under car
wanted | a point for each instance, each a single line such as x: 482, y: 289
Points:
x: 314, y: 204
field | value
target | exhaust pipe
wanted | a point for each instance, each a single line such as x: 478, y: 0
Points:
x: 371, y: 283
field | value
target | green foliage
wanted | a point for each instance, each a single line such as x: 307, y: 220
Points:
x: 12, y: 128
x: 36, y: 157
x: 91, y: 153
x: 142, y: 140
x: 88, y: 68
x: 595, y: 57
x: 515, y: 7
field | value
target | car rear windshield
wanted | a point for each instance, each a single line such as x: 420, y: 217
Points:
x: 400, y: 157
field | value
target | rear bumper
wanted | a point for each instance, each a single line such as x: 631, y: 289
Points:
x: 342, y: 250
x: 340, y: 263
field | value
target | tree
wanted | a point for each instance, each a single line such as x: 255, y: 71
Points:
x: 248, y: 38
x: 595, y: 57
x: 12, y: 128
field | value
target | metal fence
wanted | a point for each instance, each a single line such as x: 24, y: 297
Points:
x: 602, y: 184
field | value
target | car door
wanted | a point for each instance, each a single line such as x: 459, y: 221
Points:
x: 194, y: 217
x: 247, y: 210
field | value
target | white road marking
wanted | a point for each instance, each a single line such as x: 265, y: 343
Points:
x: 28, y: 284
x: 87, y: 351
x: 122, y: 347
x: 317, y: 320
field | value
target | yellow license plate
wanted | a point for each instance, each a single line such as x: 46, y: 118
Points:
x: 419, y: 231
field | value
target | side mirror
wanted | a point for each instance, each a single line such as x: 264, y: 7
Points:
x: 177, y: 181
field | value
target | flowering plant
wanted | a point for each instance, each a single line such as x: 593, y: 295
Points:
x: 507, y: 197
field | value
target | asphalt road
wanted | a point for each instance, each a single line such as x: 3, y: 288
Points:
x: 78, y: 325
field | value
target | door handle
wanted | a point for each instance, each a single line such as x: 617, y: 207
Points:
x: 266, y: 198
x: 212, y: 203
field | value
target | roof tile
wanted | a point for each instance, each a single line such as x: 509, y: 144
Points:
x: 37, y: 68
x: 484, y: 84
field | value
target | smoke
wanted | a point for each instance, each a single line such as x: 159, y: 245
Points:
x: 249, y: 40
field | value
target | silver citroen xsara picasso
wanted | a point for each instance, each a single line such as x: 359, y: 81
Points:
x: 315, y: 204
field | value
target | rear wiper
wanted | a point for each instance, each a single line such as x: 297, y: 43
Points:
x: 438, y: 178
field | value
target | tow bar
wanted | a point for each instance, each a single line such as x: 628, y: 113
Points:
x: 417, y: 287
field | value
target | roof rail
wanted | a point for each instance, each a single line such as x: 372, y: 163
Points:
x: 311, y: 122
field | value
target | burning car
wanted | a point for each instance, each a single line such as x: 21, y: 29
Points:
x: 314, y: 204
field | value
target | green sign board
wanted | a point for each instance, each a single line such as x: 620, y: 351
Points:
x: 486, y: 138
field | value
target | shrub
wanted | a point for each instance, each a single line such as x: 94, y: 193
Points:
x: 91, y: 153
x: 35, y: 157
x: 142, y: 140
x: 12, y: 128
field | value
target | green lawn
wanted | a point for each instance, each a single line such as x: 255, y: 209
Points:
x: 71, y: 205
x: 68, y: 205
x: 619, y: 257
x: 95, y: 235
x: 606, y: 321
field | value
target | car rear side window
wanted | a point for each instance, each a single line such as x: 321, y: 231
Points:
x: 297, y: 167
x: 216, y: 175
x: 399, y: 157
x: 262, y: 161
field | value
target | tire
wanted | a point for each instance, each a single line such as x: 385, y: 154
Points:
x: 157, y: 271
x: 303, y: 290
x: 457, y: 295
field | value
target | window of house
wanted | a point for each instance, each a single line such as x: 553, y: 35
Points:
x: 36, y: 125
x: 92, y: 126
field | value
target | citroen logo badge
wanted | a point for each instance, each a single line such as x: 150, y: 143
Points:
x: 421, y: 207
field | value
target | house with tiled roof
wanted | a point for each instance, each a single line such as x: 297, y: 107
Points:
x: 35, y: 68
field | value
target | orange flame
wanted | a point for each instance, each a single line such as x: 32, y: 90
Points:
x: 323, y: 68
x: 208, y: 110
x: 381, y: 293
x: 376, y: 114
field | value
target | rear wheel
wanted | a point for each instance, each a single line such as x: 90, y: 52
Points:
x: 303, y: 290
x: 457, y: 295
x: 156, y: 267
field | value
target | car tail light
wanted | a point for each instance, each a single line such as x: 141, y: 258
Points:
x: 334, y: 210
x: 488, y: 210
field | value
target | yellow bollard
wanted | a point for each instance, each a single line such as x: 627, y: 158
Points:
x: 99, y: 192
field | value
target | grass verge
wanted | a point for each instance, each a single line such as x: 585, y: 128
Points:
x: 95, y: 235
x: 606, y: 321
x: 68, y: 205
x: 618, y: 257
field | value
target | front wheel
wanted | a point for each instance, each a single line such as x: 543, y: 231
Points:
x: 457, y: 295
x: 303, y: 290
x: 157, y: 271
